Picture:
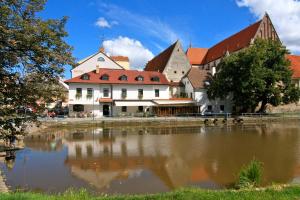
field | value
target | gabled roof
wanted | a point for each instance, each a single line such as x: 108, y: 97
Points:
x: 196, y: 55
x: 114, y: 75
x: 235, y: 42
x: 159, y: 62
x: 197, y: 77
x: 120, y: 58
x: 295, y: 65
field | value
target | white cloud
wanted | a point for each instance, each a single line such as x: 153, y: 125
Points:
x: 285, y: 15
x: 103, y: 23
x: 123, y: 46
x: 152, y: 26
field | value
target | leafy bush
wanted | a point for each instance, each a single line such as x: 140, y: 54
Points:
x: 250, y: 176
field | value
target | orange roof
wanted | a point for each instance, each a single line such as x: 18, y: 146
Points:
x: 115, y: 74
x: 235, y: 42
x: 120, y: 58
x: 196, y: 55
x: 159, y: 62
x: 295, y: 65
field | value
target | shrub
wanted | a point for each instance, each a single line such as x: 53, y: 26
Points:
x: 250, y: 175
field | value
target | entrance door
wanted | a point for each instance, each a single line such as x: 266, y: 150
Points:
x: 105, y: 110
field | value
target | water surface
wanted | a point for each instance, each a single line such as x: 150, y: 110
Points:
x: 150, y: 160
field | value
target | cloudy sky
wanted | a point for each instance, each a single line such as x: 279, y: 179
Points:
x: 140, y: 29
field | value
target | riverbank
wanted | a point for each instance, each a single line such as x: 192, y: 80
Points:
x: 270, y: 193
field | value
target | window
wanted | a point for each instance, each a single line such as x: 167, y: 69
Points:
x: 156, y: 92
x: 124, y: 108
x: 209, y: 108
x: 123, y: 78
x: 104, y: 77
x: 222, y: 108
x: 124, y: 93
x: 89, y: 93
x: 105, y: 92
x: 140, y: 109
x: 140, y: 93
x: 175, y: 72
x: 191, y: 95
x: 155, y: 79
x: 78, y: 108
x: 78, y: 92
x: 139, y: 78
x: 85, y: 77
x: 101, y: 59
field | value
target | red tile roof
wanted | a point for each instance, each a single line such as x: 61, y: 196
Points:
x: 196, y: 55
x: 115, y: 74
x: 120, y: 58
x: 197, y: 77
x: 295, y: 65
x: 159, y: 62
x: 235, y: 42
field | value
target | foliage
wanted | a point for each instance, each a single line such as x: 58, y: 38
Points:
x: 259, y: 74
x: 250, y: 175
x: 285, y: 193
x: 32, y: 58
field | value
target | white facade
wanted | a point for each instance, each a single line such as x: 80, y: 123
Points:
x: 90, y: 63
x: 115, y: 101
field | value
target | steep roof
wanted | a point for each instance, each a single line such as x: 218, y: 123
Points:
x: 197, y: 77
x: 120, y: 58
x: 196, y: 55
x: 295, y: 65
x: 159, y: 62
x: 114, y: 75
x: 235, y: 42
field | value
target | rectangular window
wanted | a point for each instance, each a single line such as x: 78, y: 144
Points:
x: 191, y: 95
x: 105, y: 92
x: 222, y: 108
x: 209, y: 108
x: 124, y: 93
x: 124, y: 108
x: 89, y: 93
x: 78, y: 92
x: 156, y: 92
x: 140, y: 109
x: 140, y: 93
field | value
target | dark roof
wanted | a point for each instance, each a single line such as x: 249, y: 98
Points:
x: 235, y: 42
x: 197, y: 77
x: 159, y: 62
x: 115, y: 74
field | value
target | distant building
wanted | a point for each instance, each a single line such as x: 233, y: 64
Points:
x: 295, y: 67
x: 122, y: 61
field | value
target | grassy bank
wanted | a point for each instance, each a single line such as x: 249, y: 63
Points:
x: 288, y: 193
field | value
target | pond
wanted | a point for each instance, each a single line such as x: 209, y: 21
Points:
x: 153, y: 159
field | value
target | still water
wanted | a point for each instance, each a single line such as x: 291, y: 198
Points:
x: 150, y: 160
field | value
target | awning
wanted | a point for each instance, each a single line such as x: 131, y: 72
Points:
x: 134, y: 103
x: 174, y: 102
x: 105, y: 100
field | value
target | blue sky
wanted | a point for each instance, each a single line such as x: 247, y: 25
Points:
x: 142, y: 28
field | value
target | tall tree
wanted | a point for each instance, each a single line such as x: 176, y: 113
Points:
x: 257, y: 75
x: 33, y: 54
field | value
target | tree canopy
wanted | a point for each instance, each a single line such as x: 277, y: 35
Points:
x: 33, y: 54
x: 257, y: 75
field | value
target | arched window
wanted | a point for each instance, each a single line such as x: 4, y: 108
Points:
x: 104, y: 77
x: 101, y: 59
x: 123, y: 78
x: 85, y: 77
x: 139, y: 78
x: 155, y: 79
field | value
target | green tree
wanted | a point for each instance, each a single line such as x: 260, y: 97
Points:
x: 33, y: 54
x: 257, y: 75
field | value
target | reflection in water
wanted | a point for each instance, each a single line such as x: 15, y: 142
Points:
x: 148, y: 160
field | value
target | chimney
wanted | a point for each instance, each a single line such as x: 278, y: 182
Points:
x: 97, y: 69
x: 101, y: 49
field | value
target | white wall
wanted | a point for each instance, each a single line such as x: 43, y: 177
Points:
x: 91, y: 64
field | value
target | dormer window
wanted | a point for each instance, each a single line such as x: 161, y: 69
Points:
x: 155, y: 79
x: 139, y: 78
x: 100, y: 59
x: 85, y: 77
x: 123, y: 78
x: 104, y: 77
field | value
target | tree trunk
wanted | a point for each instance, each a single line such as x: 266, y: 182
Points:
x: 263, y: 106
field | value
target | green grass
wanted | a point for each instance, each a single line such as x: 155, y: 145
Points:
x: 288, y: 193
